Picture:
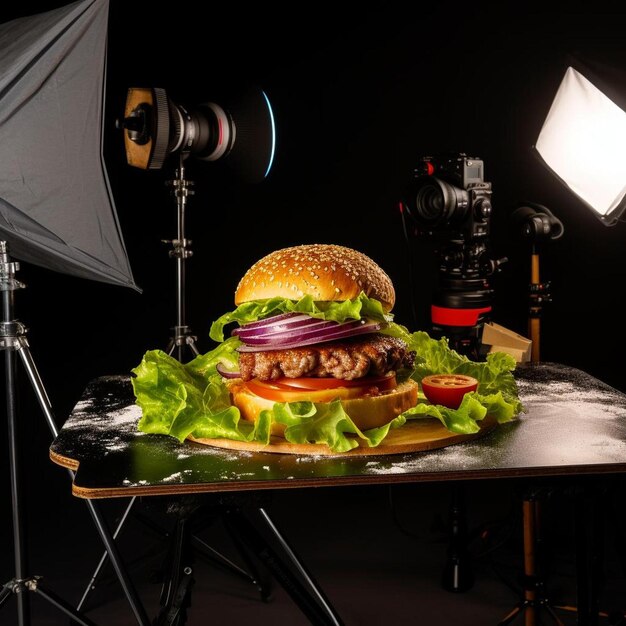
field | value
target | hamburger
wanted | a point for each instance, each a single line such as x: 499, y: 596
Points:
x: 310, y: 320
x: 311, y: 354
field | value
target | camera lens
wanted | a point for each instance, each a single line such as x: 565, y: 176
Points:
x: 430, y: 203
x: 438, y: 202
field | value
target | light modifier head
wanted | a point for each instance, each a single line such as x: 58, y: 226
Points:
x: 243, y: 135
x: 582, y: 142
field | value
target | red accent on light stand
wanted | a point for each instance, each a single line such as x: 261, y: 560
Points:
x: 456, y: 317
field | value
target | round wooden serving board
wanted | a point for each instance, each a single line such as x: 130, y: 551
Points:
x: 415, y: 436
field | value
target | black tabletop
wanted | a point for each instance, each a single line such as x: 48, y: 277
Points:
x: 573, y: 424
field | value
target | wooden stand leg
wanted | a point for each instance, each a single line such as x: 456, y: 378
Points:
x: 533, y: 600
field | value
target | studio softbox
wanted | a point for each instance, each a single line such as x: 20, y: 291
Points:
x: 56, y: 205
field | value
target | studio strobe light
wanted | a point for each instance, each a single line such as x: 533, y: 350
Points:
x: 242, y: 135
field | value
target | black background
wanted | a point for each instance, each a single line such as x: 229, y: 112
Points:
x: 359, y: 96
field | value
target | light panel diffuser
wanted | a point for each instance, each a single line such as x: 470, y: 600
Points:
x: 583, y: 141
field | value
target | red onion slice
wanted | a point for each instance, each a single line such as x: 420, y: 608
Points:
x: 344, y: 333
x: 308, y: 332
x: 269, y: 321
x: 278, y: 330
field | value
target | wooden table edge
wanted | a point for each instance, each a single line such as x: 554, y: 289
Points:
x: 63, y: 461
x: 335, y: 481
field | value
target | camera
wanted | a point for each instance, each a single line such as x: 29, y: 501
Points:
x: 448, y: 200
x: 449, y: 194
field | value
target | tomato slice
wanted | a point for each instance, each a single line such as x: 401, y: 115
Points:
x: 448, y: 389
x: 301, y: 389
x: 384, y: 383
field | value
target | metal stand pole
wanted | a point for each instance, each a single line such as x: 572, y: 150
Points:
x: 13, y: 339
x: 181, y: 251
x: 458, y: 575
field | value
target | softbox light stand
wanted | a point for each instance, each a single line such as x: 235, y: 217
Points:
x: 13, y: 340
x: 535, y: 223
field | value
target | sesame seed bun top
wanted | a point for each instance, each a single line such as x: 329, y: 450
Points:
x: 324, y: 271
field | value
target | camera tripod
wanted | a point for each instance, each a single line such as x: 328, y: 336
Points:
x: 13, y: 340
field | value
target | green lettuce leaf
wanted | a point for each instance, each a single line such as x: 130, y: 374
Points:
x: 327, y: 423
x: 191, y: 399
x: 359, y: 307
x: 181, y: 400
x: 497, y: 389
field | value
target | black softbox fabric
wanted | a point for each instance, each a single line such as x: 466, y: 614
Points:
x: 56, y: 206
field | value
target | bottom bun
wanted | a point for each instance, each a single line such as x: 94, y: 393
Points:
x: 366, y: 412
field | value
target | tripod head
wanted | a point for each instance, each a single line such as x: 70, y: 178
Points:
x: 536, y: 223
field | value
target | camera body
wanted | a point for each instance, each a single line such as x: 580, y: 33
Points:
x: 450, y: 196
x: 449, y: 200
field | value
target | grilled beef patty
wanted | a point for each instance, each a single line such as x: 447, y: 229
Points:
x: 374, y: 355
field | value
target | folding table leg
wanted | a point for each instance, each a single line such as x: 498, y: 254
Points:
x: 308, y: 597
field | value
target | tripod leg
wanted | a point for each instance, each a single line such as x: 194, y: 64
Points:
x: 530, y: 571
x: 105, y: 534
x: 103, y: 559
x: 315, y: 589
x: 22, y: 586
x: 597, y: 559
x: 512, y: 615
x: 23, y: 607
x: 589, y: 533
x: 5, y: 594
x: 116, y: 560
x: 176, y: 588
x: 219, y: 559
x: 457, y: 575
x: 63, y: 606
x: 553, y: 615
x: 298, y: 593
